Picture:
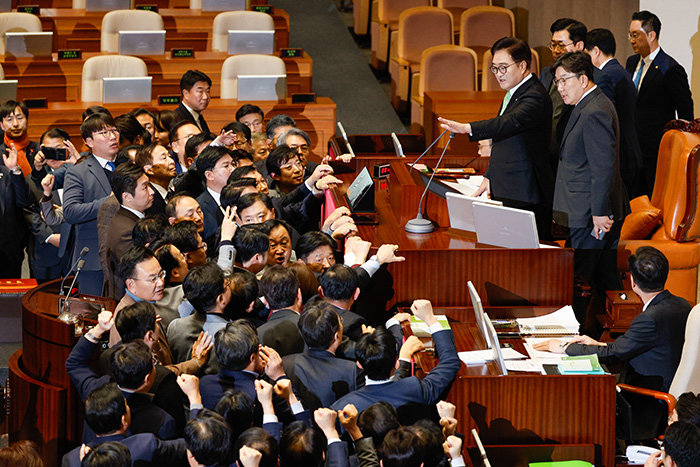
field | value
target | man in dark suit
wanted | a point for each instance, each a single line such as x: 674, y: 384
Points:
x: 519, y: 173
x: 195, y: 87
x: 662, y: 89
x: 377, y: 354
x: 14, y: 196
x: 155, y: 160
x: 340, y: 287
x: 652, y: 346
x: 589, y: 197
x: 282, y: 294
x: 86, y: 188
x: 600, y: 45
x: 214, y: 165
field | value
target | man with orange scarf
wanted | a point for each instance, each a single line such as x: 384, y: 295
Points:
x: 13, y: 120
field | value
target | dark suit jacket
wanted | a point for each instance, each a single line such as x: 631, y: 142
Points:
x: 158, y: 206
x: 652, y: 345
x: 117, y: 242
x: 213, y: 217
x: 282, y: 333
x: 86, y: 188
x: 663, y: 92
x: 588, y: 178
x: 519, y: 168
x: 352, y: 323
x: 182, y: 114
x: 320, y: 378
x: 145, y: 450
x: 14, y: 196
x: 29, y: 152
x: 411, y: 390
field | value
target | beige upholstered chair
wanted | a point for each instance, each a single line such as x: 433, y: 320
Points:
x: 481, y: 26
x: 108, y: 66
x: 2, y: 73
x: 17, y: 22
x: 197, y: 4
x: 457, y: 7
x: 488, y: 79
x: 442, y: 68
x: 249, y: 64
x: 126, y: 20
x: 388, y: 12
x: 687, y: 378
x: 241, y: 20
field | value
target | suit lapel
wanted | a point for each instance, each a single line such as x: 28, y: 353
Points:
x: 519, y: 92
x: 576, y: 113
x: 99, y: 173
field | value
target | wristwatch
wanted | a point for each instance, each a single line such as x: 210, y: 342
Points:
x: 17, y: 170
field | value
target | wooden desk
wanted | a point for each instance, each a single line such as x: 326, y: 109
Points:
x: 318, y: 119
x: 467, y: 106
x: 61, y: 80
x: 80, y: 29
x: 527, y: 409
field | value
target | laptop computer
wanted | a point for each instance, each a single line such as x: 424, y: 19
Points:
x: 141, y: 42
x: 461, y: 211
x: 262, y: 87
x: 479, y: 313
x: 5, y: 5
x: 495, y: 345
x: 126, y: 90
x: 107, y: 5
x: 505, y: 227
x: 29, y: 44
x: 224, y: 5
x: 358, y: 188
x: 8, y: 90
x: 251, y: 42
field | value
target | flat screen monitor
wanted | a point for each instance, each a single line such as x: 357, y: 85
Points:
x: 126, y: 90
x: 224, y: 5
x: 107, y: 5
x: 5, y: 5
x: 461, y: 211
x: 358, y: 188
x: 29, y: 44
x: 141, y: 42
x: 495, y: 346
x: 8, y: 90
x: 479, y: 313
x: 505, y: 227
x: 251, y: 42
x: 262, y: 87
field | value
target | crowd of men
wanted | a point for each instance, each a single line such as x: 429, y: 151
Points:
x: 237, y: 337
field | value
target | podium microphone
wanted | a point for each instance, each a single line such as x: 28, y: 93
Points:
x: 431, y: 145
x: 83, y: 254
x: 81, y: 263
x: 419, y: 224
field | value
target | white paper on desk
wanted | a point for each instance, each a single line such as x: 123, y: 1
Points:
x: 530, y: 365
x: 542, y: 354
x: 562, y: 321
x: 466, y: 190
x: 476, y: 357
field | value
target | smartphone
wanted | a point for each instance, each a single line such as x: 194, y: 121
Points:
x: 57, y: 154
x: 601, y: 234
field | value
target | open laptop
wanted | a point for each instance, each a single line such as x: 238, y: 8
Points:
x: 262, y: 87
x: 126, y: 90
x: 224, y: 5
x: 141, y: 42
x: 251, y: 42
x: 29, y: 44
x: 479, y: 313
x: 495, y: 345
x: 461, y: 211
x: 107, y: 5
x: 5, y: 5
x: 505, y: 227
x: 8, y: 90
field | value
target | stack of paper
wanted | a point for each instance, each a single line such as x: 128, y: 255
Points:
x: 561, y: 322
x: 542, y: 354
x: 466, y: 186
x: 420, y: 329
x: 476, y: 357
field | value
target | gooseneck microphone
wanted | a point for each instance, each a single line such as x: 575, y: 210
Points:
x: 83, y: 254
x: 428, y: 148
x: 419, y: 224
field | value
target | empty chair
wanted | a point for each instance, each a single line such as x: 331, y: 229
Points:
x: 248, y: 64
x: 442, y: 68
x: 108, y: 66
x: 412, y: 40
x: 488, y: 79
x: 17, y: 22
x: 457, y: 7
x: 388, y: 12
x: 481, y: 26
x: 238, y: 20
x: 2, y: 73
x: 126, y: 20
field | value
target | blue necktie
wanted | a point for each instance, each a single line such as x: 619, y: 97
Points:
x: 111, y: 166
x: 638, y: 78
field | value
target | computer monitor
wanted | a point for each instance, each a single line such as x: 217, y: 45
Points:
x: 126, y: 90
x: 224, y: 5
x: 8, y: 90
x: 141, y: 42
x: 5, y: 5
x: 262, y: 87
x: 107, y: 5
x: 357, y: 191
x: 479, y: 313
x: 461, y: 211
x: 505, y: 227
x: 495, y: 346
x: 251, y: 42
x: 29, y: 44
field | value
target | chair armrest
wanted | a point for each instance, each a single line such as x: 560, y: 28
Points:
x: 668, y: 398
x: 401, y: 61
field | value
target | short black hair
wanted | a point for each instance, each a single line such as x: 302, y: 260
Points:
x: 247, y: 109
x: 293, y: 132
x: 209, y: 438
x: 231, y: 193
x: 8, y: 108
x: 278, y: 157
x: 578, y: 63
x: 318, y: 325
x: 94, y: 123
x: 577, y: 30
x: 244, y: 291
x: 95, y: 109
x: 249, y: 242
x: 247, y: 200
x: 130, y: 363
x: 430, y: 439
x: 312, y: 240
x: 183, y: 235
x: 339, y: 282
x: 239, y: 155
x: 165, y: 119
x: 148, y: 229
x: 279, y: 286
x: 208, y: 158
x: 518, y: 49
x: 202, y: 285
x: 141, y: 111
x: 191, y: 77
x: 134, y: 321
x: 262, y: 441
x: 238, y: 127
x: 688, y: 408
x: 650, y: 22
x: 401, y: 449
x: 377, y: 354
x: 241, y: 172
x: 301, y: 444
x: 109, y: 454
x: 649, y: 269
x: 237, y: 409
x: 192, y: 145
x: 54, y: 133
x: 133, y: 257
x: 603, y: 39
x: 104, y: 409
x: 278, y: 121
x: 123, y: 180
x: 172, y: 131
x: 130, y: 129
x: 235, y: 343
x: 164, y: 254
x: 144, y: 154
x: 377, y: 420
x: 682, y: 444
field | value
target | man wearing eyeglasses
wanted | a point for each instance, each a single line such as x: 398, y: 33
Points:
x: 519, y: 173
x: 662, y: 89
x: 85, y: 189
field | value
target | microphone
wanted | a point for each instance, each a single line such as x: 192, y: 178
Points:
x: 420, y: 224
x: 81, y: 263
x: 431, y: 145
x: 83, y: 254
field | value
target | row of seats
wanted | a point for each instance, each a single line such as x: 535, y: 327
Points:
x: 193, y: 4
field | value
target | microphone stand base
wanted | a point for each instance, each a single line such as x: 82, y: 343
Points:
x: 419, y: 226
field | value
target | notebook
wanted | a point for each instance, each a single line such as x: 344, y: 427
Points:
x: 141, y: 42
x: 29, y: 44
x: 262, y: 87
x: 461, y: 210
x: 251, y: 42
x: 126, y: 90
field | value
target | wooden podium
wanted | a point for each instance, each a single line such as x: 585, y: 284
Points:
x: 41, y: 402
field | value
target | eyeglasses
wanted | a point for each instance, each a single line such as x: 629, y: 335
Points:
x: 559, y: 45
x: 153, y: 278
x: 562, y: 81
x: 107, y: 132
x: 500, y: 68
x: 636, y: 35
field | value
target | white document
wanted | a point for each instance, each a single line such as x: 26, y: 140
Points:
x: 476, y: 357
x: 562, y: 321
x: 533, y: 366
x: 543, y: 354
